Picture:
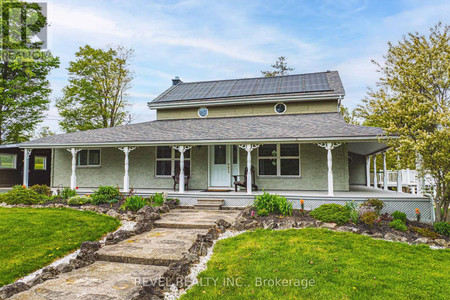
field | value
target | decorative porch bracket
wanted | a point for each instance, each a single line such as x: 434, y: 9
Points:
x: 73, y: 178
x: 249, y: 148
x: 26, y: 166
x: 126, y: 177
x: 329, y: 147
x: 181, y: 149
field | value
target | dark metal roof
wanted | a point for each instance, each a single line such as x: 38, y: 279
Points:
x: 256, y: 128
x: 312, y: 83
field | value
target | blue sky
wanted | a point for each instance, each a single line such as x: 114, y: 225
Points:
x: 205, y: 40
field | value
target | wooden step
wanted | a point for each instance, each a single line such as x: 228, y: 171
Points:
x: 209, y: 204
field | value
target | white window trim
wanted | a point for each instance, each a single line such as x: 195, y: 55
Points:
x: 15, y: 161
x: 89, y: 166
x: 278, y: 158
x: 172, y: 159
x: 275, y: 108
x: 45, y: 163
x: 207, y: 112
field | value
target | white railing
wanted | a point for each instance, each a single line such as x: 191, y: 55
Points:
x: 409, y: 180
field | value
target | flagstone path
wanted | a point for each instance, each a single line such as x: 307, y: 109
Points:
x: 142, y: 257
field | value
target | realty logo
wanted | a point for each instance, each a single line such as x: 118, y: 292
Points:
x: 23, y: 25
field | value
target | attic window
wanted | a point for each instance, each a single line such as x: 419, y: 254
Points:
x: 202, y: 112
x: 280, y: 108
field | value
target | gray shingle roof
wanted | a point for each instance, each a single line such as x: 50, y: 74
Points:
x: 257, y: 128
x: 312, y: 83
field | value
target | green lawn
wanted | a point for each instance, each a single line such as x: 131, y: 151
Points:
x: 31, y: 238
x: 341, y: 265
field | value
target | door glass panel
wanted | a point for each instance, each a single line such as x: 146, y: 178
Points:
x: 235, y: 151
x: 220, y: 154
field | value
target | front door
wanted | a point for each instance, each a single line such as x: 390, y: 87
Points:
x: 220, y: 166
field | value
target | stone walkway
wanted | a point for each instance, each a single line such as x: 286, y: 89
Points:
x: 121, y: 266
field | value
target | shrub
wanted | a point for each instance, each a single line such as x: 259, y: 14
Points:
x: 21, y: 195
x: 104, y: 194
x: 352, y: 206
x: 425, y: 232
x: 157, y: 199
x: 376, y: 203
x: 398, y: 224
x: 42, y: 190
x: 134, y: 203
x: 399, y: 216
x: 273, y: 204
x: 67, y: 193
x: 442, y: 228
x: 331, y: 213
x: 262, y: 212
x: 79, y: 200
x: 369, y: 218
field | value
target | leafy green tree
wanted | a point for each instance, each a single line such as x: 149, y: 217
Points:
x: 24, y: 67
x: 412, y: 104
x: 43, y: 132
x: 96, y: 96
x: 280, y: 66
x: 349, y: 115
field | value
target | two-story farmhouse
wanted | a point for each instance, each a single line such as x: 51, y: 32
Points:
x: 225, y: 139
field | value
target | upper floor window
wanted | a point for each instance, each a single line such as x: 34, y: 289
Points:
x: 88, y: 158
x: 8, y: 161
x: 168, y: 161
x: 279, y: 160
x: 280, y: 108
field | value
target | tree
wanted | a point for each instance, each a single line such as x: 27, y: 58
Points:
x: 24, y: 67
x: 412, y: 103
x: 43, y: 132
x: 349, y: 115
x: 96, y: 96
x: 280, y: 67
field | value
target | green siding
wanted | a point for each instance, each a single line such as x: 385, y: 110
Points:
x: 142, y: 170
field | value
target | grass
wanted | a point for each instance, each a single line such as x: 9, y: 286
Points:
x: 341, y: 265
x: 31, y: 238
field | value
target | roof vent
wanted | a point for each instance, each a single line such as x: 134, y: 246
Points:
x: 176, y: 80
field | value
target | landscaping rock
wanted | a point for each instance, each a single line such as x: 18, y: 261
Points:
x: 12, y: 289
x: 223, y: 223
x: 441, y: 242
x: 269, y: 224
x: 90, y: 246
x: 78, y: 263
x: 347, y: 229
x: 64, y: 268
x: 147, y: 210
x: 394, y: 237
x: 171, y: 203
x: 164, y: 208
x: 378, y: 235
x: 422, y: 240
x: 328, y: 225
x: 114, y: 214
x: 118, y: 236
x: 150, y: 291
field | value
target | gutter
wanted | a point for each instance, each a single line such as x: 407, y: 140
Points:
x: 203, y: 142
x: 228, y: 101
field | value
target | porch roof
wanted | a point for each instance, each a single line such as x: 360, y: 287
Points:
x: 254, y: 129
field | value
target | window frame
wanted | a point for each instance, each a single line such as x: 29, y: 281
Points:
x: 172, y: 160
x: 278, y: 158
x: 45, y: 163
x: 88, y: 165
x: 14, y: 162
x: 275, y: 108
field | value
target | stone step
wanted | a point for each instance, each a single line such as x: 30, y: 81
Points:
x: 159, y: 247
x: 208, y: 206
x: 210, y: 201
x: 101, y: 280
x: 195, y: 219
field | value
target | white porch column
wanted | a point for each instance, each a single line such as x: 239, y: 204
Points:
x: 399, y: 176
x: 249, y: 148
x: 126, y: 177
x: 73, y: 177
x: 368, y: 170
x: 385, y: 177
x: 26, y: 166
x: 181, y: 149
x: 329, y: 147
x: 375, y: 179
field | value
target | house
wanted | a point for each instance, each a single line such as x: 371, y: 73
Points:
x: 11, y: 166
x: 287, y: 129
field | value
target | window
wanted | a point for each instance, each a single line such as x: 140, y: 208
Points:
x: 279, y: 160
x: 88, y: 158
x: 202, y: 112
x: 8, y: 161
x: 168, y: 160
x: 40, y: 163
x: 280, y: 108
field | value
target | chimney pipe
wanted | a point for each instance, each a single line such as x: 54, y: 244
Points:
x: 176, y: 80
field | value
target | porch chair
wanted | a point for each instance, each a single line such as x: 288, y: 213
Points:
x: 244, y: 183
x: 176, y: 178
